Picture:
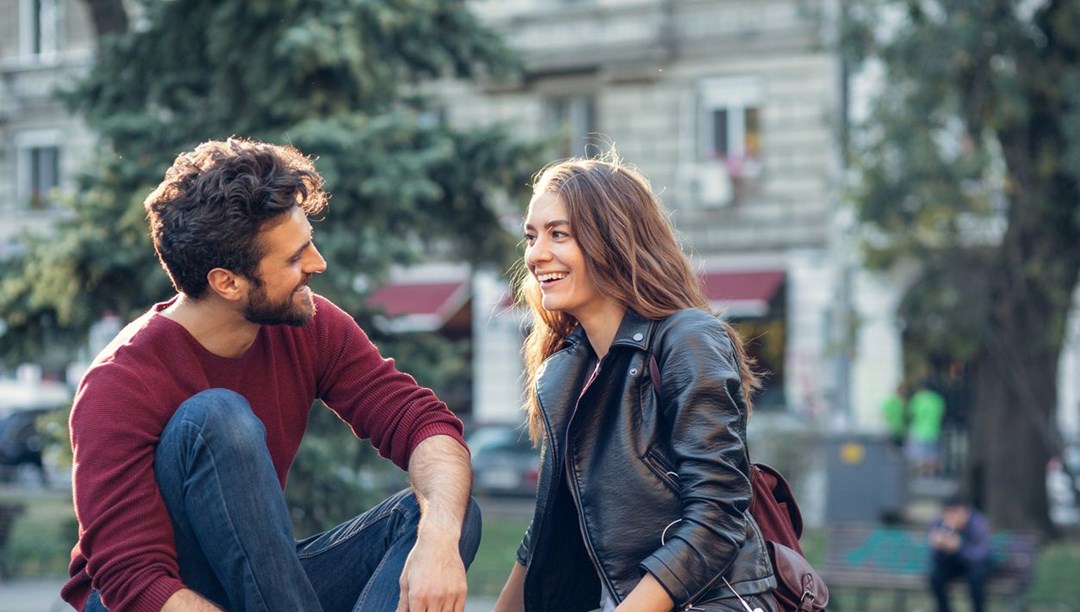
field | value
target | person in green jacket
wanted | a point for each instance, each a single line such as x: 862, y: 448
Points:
x: 895, y: 411
x: 927, y: 409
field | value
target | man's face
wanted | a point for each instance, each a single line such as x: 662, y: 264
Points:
x: 955, y: 517
x: 279, y: 295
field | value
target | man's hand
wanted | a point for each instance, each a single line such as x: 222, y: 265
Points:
x: 945, y: 540
x: 434, y: 576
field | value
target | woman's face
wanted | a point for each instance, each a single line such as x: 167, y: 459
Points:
x: 555, y: 259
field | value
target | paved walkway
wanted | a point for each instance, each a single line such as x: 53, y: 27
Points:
x: 42, y: 595
x: 31, y: 595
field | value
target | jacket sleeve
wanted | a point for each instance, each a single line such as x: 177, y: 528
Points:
x: 703, y: 403
x: 524, y: 552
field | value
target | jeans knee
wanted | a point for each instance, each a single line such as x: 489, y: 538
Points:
x: 470, y: 531
x: 222, y: 418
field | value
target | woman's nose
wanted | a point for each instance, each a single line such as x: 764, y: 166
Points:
x: 537, y: 251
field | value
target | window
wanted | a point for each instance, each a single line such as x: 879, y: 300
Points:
x: 730, y: 124
x: 38, y: 168
x: 39, y: 27
x: 575, y: 116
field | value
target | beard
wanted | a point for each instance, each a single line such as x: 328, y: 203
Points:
x: 262, y: 311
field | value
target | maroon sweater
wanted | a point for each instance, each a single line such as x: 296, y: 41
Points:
x: 126, y: 548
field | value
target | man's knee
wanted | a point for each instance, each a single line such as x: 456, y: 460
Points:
x: 224, y: 411
x: 470, y: 532
x: 220, y: 417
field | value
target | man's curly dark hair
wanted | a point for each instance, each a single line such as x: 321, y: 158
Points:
x: 215, y: 200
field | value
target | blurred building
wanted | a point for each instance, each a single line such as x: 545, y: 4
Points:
x: 734, y: 109
x: 44, y: 45
x: 737, y: 111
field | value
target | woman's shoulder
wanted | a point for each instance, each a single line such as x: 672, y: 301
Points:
x: 691, y: 321
x: 692, y: 326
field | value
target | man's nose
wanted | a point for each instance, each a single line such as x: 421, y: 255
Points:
x: 315, y: 264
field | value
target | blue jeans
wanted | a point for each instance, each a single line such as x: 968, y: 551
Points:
x: 234, y: 539
x: 947, y: 567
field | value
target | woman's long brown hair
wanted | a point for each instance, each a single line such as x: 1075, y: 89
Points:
x: 631, y: 253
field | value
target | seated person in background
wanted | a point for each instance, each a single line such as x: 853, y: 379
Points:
x: 960, y: 548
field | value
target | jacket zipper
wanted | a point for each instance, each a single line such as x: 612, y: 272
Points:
x: 575, y: 495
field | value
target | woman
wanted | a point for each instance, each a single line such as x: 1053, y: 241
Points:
x: 643, y: 492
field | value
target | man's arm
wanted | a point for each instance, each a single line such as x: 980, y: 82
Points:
x: 434, y: 575
x: 186, y: 600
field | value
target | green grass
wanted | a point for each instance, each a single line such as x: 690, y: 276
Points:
x: 41, y: 540
x: 495, y: 558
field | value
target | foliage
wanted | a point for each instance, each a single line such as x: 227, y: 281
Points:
x: 336, y: 78
x: 969, y: 164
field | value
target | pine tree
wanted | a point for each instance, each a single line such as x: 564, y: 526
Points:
x: 338, y: 80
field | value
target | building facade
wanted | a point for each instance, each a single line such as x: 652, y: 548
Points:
x: 44, y: 45
x: 734, y: 109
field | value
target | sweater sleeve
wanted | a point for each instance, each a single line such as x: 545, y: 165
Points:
x: 380, y: 402
x: 125, y: 531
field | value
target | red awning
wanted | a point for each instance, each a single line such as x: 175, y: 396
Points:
x: 419, y: 306
x: 743, y: 293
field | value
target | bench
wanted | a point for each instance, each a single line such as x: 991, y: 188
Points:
x: 9, y: 512
x: 867, y: 557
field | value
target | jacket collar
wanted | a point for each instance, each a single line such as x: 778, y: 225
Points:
x: 633, y: 332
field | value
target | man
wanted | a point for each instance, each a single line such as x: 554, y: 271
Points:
x: 926, y: 409
x: 184, y: 427
x: 960, y: 548
x: 894, y: 409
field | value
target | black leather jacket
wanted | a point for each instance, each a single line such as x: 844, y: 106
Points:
x: 629, y: 484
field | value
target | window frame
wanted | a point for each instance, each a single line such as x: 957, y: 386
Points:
x: 28, y: 193
x: 40, y: 28
x: 739, y: 100
x: 577, y: 112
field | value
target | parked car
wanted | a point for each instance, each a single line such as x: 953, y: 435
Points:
x: 504, y: 461
x: 21, y: 445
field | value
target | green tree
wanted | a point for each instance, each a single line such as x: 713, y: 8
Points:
x: 969, y: 163
x: 336, y: 78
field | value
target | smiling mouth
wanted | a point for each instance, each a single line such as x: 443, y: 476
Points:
x: 546, y: 279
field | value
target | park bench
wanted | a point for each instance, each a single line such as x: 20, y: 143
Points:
x: 865, y: 558
x: 9, y: 512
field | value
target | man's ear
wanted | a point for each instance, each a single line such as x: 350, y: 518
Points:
x: 228, y: 284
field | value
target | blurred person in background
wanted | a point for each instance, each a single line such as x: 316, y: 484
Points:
x: 894, y: 410
x: 960, y: 549
x: 926, y: 409
x: 644, y: 489
x: 184, y: 427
